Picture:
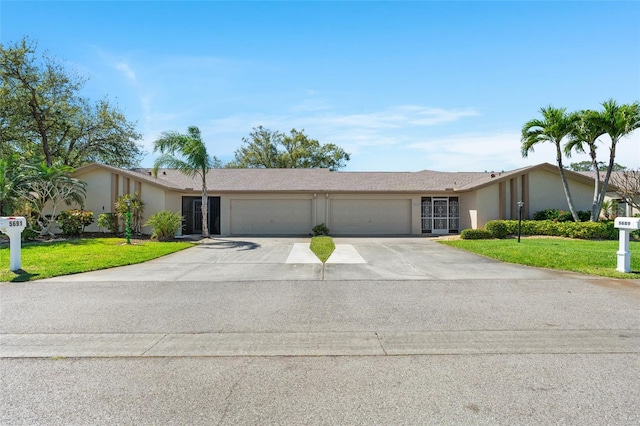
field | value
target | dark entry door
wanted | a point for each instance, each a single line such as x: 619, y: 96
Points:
x: 192, y: 212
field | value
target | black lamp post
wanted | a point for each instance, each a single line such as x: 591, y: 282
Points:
x: 520, y: 205
x: 128, y: 225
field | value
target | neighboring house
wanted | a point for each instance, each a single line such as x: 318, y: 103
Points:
x: 612, y: 195
x: 293, y: 201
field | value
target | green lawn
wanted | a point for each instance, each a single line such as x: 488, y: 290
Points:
x: 588, y: 257
x: 51, y: 259
x: 322, y: 247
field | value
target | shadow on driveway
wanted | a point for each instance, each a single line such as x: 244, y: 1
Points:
x: 219, y: 244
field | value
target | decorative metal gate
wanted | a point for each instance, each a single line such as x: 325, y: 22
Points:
x: 440, y: 215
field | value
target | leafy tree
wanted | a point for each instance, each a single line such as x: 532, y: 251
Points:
x: 555, y: 126
x: 587, y: 166
x: 12, y: 177
x: 43, y: 117
x: 187, y: 153
x: 268, y: 149
x: 50, y: 187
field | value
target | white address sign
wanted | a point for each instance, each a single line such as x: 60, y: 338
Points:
x: 627, y: 223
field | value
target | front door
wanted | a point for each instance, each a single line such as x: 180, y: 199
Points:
x: 192, y: 213
x: 440, y: 215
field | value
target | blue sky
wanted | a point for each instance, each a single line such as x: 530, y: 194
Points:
x: 402, y: 86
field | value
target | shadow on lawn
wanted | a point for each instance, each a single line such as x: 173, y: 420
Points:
x: 22, y: 276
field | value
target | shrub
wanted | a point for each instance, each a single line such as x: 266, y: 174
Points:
x: 109, y: 222
x: 497, y: 228
x: 165, y: 224
x: 582, y: 230
x: 475, y: 234
x: 73, y: 222
x: 561, y: 215
x: 320, y: 230
x: 137, y: 208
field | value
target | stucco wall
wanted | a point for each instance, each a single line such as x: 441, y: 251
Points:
x: 546, y: 192
x: 98, y: 195
x: 487, y: 205
x: 468, y: 211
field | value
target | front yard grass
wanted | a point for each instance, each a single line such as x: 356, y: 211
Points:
x: 587, y: 257
x: 322, y: 247
x: 52, y: 259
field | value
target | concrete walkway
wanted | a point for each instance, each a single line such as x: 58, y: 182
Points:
x: 343, y: 253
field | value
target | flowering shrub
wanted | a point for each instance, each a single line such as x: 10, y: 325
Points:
x: 73, y: 222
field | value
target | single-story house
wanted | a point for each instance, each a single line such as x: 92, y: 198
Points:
x: 293, y: 201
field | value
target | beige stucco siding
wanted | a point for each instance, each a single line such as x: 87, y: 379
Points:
x: 468, y: 211
x: 487, y: 205
x: 546, y: 192
x: 154, y: 200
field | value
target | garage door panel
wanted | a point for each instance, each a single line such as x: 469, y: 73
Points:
x: 370, y: 217
x: 270, y: 217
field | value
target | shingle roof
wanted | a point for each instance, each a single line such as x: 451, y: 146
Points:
x: 323, y: 180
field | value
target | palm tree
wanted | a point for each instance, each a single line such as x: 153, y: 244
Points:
x: 554, y: 126
x: 584, y: 136
x: 617, y: 121
x: 188, y: 154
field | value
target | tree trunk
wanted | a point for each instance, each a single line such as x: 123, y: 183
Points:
x: 205, y: 210
x: 565, y: 184
x: 607, y: 176
x: 595, y: 212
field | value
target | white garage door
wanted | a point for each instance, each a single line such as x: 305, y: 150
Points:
x: 271, y: 217
x: 370, y: 217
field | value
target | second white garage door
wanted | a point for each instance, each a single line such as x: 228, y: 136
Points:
x: 370, y: 217
x: 271, y: 217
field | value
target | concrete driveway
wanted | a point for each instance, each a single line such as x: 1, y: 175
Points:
x: 251, y: 259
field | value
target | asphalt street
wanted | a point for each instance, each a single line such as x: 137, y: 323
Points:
x: 229, y: 332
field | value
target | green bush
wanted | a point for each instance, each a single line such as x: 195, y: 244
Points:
x: 320, y: 230
x: 136, y: 206
x: 561, y: 215
x: 497, y: 228
x: 73, y: 222
x: 581, y: 230
x: 109, y: 222
x: 165, y: 224
x: 475, y: 234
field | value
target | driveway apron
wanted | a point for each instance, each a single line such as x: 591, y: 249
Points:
x: 371, y: 259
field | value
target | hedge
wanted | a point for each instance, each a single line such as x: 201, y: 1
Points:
x: 475, y: 234
x: 582, y: 230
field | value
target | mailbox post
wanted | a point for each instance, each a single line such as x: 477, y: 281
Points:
x: 13, y: 227
x: 625, y: 225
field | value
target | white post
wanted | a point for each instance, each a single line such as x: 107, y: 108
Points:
x: 625, y: 225
x: 13, y: 227
x: 624, y: 255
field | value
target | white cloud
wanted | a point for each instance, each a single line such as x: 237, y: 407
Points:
x: 126, y: 70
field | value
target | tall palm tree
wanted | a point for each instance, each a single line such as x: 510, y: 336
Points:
x: 188, y: 154
x: 554, y: 126
x: 583, y: 137
x: 617, y: 121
